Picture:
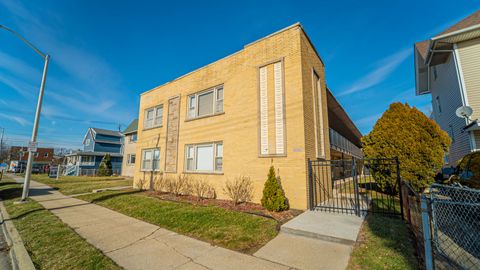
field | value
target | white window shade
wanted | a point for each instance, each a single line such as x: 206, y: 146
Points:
x: 205, y: 104
x: 205, y: 158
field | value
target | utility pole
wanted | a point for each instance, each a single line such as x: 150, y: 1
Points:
x: 1, y: 145
x: 33, y: 143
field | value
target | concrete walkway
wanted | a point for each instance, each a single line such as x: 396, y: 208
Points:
x: 314, y: 240
x: 134, y: 244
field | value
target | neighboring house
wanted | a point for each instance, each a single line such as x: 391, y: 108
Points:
x: 263, y: 105
x: 447, y: 66
x: 96, y: 144
x: 129, y: 149
x: 18, y: 156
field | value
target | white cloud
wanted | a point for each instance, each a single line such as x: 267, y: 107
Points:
x: 368, y: 120
x: 385, y: 67
x: 17, y: 119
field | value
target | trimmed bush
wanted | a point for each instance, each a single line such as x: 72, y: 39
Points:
x: 273, y: 195
x: 416, y: 140
x: 105, y: 167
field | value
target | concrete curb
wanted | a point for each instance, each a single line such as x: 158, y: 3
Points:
x: 18, y: 252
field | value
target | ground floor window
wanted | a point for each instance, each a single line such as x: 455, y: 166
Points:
x: 205, y: 157
x: 87, y: 160
x: 151, y: 159
x: 130, y: 159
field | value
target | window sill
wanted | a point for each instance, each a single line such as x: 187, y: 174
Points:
x: 272, y: 156
x: 152, y: 127
x: 202, y: 117
x: 208, y: 173
x: 156, y: 171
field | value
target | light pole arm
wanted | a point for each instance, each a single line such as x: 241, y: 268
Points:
x: 24, y: 40
x: 33, y: 142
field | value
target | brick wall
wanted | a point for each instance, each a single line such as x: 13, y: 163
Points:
x: 238, y: 127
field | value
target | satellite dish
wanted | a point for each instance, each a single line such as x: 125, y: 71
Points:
x: 464, y: 112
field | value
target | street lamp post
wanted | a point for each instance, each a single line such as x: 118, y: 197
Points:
x: 33, y: 143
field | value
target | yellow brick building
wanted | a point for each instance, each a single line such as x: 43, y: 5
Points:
x: 264, y: 105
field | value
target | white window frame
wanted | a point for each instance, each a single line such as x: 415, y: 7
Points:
x: 130, y: 138
x: 129, y: 159
x: 216, y: 157
x: 217, y: 103
x: 90, y: 162
x: 156, y: 121
x: 152, y: 150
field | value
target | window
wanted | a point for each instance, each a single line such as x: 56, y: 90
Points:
x: 87, y: 160
x: 46, y: 154
x: 452, y: 134
x: 153, y: 117
x: 151, y: 160
x: 131, y: 159
x: 206, y: 103
x: 87, y: 142
x: 132, y: 138
x: 207, y: 157
x: 439, y: 106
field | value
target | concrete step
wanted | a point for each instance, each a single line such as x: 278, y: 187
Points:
x: 331, y: 227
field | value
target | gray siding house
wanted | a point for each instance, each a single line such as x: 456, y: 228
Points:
x: 447, y: 66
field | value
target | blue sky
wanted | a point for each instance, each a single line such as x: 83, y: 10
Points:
x: 105, y: 53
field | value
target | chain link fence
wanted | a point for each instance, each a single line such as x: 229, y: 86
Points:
x: 455, y: 218
x: 445, y: 223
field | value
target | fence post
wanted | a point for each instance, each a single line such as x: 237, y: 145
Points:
x: 355, y: 187
x: 311, y: 185
x: 399, y: 179
x: 427, y: 236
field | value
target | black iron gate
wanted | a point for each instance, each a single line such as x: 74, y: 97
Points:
x: 355, y: 186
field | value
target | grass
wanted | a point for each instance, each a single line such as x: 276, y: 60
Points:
x: 70, y: 185
x: 234, y: 230
x: 50, y: 243
x: 385, y: 243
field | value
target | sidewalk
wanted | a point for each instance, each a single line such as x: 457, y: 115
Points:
x: 134, y: 244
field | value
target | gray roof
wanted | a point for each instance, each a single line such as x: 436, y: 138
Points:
x: 83, y: 153
x: 132, y: 127
x: 107, y: 132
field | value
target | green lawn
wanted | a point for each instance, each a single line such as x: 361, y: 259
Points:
x: 385, y: 243
x: 70, y: 185
x: 234, y: 230
x: 50, y: 243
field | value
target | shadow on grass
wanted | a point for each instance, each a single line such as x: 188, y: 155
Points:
x: 112, y: 195
x: 10, y: 193
x: 394, y: 236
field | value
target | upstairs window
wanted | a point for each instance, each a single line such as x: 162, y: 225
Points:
x: 206, y: 157
x: 132, y: 138
x: 439, y: 106
x: 209, y: 102
x: 153, y: 117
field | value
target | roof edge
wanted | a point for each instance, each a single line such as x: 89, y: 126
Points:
x: 297, y: 24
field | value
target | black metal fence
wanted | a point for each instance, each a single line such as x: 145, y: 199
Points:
x: 355, y: 186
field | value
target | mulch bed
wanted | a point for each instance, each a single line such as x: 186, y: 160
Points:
x: 250, y: 208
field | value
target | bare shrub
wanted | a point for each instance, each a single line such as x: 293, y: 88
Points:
x: 239, y: 190
x: 202, y: 189
x: 140, y: 183
x: 161, y: 183
x: 180, y: 185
